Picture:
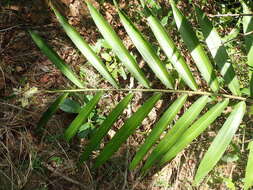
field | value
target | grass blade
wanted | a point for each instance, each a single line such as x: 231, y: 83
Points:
x: 218, y: 52
x: 81, y: 117
x: 50, y: 111
x: 146, y: 50
x: 56, y: 60
x: 170, y: 49
x: 84, y: 48
x: 161, y: 125
x: 248, y: 27
x: 127, y: 129
x: 116, y: 44
x: 249, y: 174
x: 197, y: 52
x: 194, y: 131
x: 221, y: 142
x: 105, y: 126
x: 175, y: 132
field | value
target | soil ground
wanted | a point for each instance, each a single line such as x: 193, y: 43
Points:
x: 28, y: 161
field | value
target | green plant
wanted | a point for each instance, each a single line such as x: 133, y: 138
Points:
x: 191, y: 124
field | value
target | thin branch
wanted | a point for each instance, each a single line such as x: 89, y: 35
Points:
x: 10, y: 28
x: 151, y: 90
x: 227, y: 15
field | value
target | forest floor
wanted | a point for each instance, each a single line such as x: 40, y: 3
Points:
x: 49, y: 163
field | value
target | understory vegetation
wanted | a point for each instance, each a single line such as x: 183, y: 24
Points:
x: 126, y: 94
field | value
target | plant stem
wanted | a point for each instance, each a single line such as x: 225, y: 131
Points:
x: 227, y: 15
x: 151, y: 90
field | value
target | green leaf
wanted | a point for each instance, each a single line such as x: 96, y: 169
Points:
x: 249, y: 174
x: 84, y: 47
x: 56, y: 60
x: 194, y: 131
x: 221, y: 142
x: 218, y: 52
x: 105, y: 126
x: 197, y: 52
x: 50, y: 111
x: 70, y: 106
x: 81, y: 117
x: 127, y: 129
x: 175, y: 132
x: 248, y: 27
x: 161, y: 125
x: 170, y: 50
x: 233, y: 33
x: 117, y: 45
x: 146, y: 50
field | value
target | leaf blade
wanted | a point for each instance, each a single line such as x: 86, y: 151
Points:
x: 160, y: 126
x: 50, y: 111
x: 175, y: 132
x: 105, y: 126
x: 84, y: 48
x: 197, y: 52
x: 221, y: 142
x: 126, y: 130
x: 146, y: 50
x: 218, y: 51
x: 249, y: 175
x: 120, y: 50
x: 248, y: 27
x: 170, y: 50
x: 194, y: 131
x: 81, y: 117
x: 56, y: 60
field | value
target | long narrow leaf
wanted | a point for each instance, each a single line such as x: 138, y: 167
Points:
x: 105, y: 126
x: 127, y: 129
x: 248, y: 27
x: 249, y: 174
x: 146, y: 50
x: 218, y: 52
x: 170, y: 50
x: 194, y: 131
x: 197, y: 52
x: 175, y: 132
x: 81, y: 117
x: 161, y: 125
x: 221, y: 142
x: 116, y: 44
x: 56, y: 60
x: 84, y: 47
x: 50, y: 111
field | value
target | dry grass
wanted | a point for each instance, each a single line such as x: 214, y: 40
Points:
x: 28, y: 161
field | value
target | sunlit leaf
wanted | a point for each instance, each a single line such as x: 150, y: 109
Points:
x: 160, y: 126
x: 146, y: 50
x: 84, y: 47
x: 249, y: 174
x: 218, y: 52
x: 105, y: 127
x: 194, y: 131
x: 248, y: 27
x: 126, y: 130
x: 56, y: 60
x: 175, y: 132
x: 221, y: 142
x: 170, y: 50
x: 198, y: 54
x: 81, y: 117
x: 70, y: 106
x: 116, y: 44
x: 50, y: 111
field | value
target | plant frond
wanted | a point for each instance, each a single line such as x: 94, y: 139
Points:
x: 221, y: 141
x: 197, y: 52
